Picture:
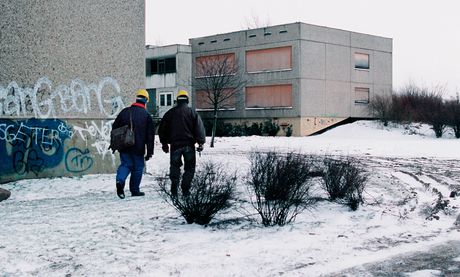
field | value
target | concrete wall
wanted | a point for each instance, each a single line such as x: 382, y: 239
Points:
x: 328, y: 74
x: 66, y: 69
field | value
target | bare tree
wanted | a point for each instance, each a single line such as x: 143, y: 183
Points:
x: 453, y: 113
x: 254, y: 21
x: 218, y: 80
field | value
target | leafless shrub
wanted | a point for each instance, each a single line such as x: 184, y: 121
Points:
x: 344, y: 181
x: 419, y: 104
x: 279, y: 186
x: 381, y: 106
x: 211, y: 190
x: 453, y: 115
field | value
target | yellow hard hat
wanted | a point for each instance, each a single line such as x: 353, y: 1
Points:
x: 144, y: 93
x: 182, y: 93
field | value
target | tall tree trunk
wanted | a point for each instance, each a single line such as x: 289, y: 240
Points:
x: 214, y: 127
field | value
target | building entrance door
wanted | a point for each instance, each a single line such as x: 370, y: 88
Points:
x: 166, y: 102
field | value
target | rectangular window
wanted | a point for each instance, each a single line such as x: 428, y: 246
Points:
x: 163, y: 66
x: 166, y: 99
x: 169, y: 99
x: 361, y: 61
x: 361, y: 95
x: 272, y: 59
x: 228, y: 100
x: 214, y: 65
x: 273, y: 96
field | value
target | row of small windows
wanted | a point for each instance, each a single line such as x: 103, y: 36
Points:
x: 251, y: 36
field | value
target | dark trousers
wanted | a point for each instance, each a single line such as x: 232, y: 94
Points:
x: 186, y: 153
x: 130, y: 164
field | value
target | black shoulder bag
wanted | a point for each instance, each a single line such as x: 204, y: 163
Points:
x: 123, y: 137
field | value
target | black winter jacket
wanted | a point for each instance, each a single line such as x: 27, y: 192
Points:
x: 181, y: 126
x: 144, y: 129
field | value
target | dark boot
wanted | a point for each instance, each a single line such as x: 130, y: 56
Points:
x: 137, y: 193
x: 120, y: 190
x: 174, y: 187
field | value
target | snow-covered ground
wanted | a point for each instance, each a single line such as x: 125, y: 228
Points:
x: 79, y: 227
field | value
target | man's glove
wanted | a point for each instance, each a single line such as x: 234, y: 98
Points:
x: 148, y: 157
x: 165, y: 148
x: 199, y: 148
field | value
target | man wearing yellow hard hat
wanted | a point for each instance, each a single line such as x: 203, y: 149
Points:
x: 132, y: 158
x: 180, y: 129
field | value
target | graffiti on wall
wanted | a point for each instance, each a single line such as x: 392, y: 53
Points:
x: 46, y: 140
x: 76, y: 99
x: 32, y: 145
x: 99, y: 133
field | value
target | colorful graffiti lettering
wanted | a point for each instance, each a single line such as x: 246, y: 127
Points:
x: 77, y: 99
x: 31, y: 145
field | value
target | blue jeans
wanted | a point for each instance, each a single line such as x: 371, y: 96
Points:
x: 188, y: 153
x: 130, y: 164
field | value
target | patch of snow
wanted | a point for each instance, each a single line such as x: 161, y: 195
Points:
x: 424, y: 273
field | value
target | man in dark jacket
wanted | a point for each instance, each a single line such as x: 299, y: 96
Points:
x: 132, y: 158
x: 181, y: 127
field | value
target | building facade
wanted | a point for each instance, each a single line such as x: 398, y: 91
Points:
x: 66, y: 69
x: 298, y: 74
x: 168, y: 70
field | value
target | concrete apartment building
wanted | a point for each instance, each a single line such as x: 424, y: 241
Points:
x: 298, y: 74
x: 168, y: 69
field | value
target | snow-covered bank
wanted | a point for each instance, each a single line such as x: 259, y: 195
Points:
x: 78, y: 226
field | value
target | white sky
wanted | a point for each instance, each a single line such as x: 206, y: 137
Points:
x: 426, y: 33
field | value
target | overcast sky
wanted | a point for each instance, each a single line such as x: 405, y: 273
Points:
x: 426, y: 33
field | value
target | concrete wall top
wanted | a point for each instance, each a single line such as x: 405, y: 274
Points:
x: 266, y: 35
x: 166, y: 51
x: 345, y: 38
x: 65, y: 40
x: 383, y: 44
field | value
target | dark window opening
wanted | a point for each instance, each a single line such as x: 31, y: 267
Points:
x: 213, y: 41
x: 163, y: 66
x: 226, y: 39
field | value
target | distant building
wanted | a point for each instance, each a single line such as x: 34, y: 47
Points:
x: 168, y: 69
x: 307, y: 76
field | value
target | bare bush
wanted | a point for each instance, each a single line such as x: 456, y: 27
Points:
x: 453, y: 115
x: 211, y: 190
x: 419, y: 104
x: 279, y: 185
x: 344, y: 181
x: 381, y: 106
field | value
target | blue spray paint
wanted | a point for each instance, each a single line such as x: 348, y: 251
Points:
x: 32, y: 145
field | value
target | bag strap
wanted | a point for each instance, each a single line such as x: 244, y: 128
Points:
x: 131, y: 119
